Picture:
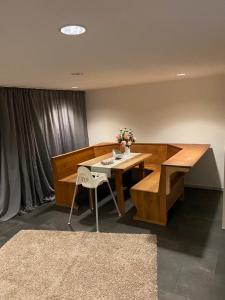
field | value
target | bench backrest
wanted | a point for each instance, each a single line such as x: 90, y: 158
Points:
x: 158, y: 151
x: 66, y: 164
x: 103, y: 149
x: 172, y: 150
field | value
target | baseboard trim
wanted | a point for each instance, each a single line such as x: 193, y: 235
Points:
x: 204, y: 187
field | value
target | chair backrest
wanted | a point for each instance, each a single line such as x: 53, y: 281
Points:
x: 85, y: 178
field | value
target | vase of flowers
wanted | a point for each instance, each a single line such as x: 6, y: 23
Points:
x: 126, y: 137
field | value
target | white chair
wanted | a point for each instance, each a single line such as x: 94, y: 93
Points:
x: 91, y: 180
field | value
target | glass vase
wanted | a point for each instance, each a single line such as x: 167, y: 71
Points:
x: 127, y: 151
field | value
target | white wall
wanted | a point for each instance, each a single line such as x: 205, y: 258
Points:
x: 182, y: 111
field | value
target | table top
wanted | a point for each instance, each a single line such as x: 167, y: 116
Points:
x: 123, y: 166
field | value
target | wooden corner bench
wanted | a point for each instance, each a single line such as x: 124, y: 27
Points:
x: 152, y: 196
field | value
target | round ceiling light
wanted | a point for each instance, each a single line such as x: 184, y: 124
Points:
x: 73, y: 29
x: 77, y: 74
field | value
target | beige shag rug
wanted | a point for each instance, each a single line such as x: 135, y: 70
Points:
x: 78, y: 265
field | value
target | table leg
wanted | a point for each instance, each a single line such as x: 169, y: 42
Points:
x: 141, y: 170
x: 119, y: 191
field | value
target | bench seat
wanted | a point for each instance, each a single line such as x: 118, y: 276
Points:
x: 155, y: 194
x: 150, y: 183
x: 70, y: 179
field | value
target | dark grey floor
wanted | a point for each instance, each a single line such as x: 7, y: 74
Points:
x: 191, y: 250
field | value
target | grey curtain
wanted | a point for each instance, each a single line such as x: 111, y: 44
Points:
x: 34, y: 126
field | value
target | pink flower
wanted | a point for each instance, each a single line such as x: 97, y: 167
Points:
x: 117, y: 136
x: 126, y: 136
x: 123, y: 142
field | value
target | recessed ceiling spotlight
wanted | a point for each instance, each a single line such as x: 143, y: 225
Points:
x: 75, y: 87
x: 181, y: 74
x: 77, y: 74
x: 73, y: 29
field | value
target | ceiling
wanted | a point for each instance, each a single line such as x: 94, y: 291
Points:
x: 127, y: 42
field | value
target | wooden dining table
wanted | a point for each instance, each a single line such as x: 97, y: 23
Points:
x: 118, y: 170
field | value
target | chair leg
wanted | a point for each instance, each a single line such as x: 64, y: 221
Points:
x: 91, y: 205
x: 96, y: 209
x: 71, y: 209
x: 117, y: 208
